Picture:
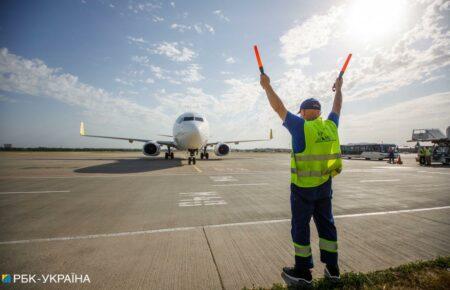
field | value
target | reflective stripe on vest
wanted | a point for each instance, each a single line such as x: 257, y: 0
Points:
x: 320, y: 157
x: 302, y: 251
x: 329, y: 246
x: 312, y: 173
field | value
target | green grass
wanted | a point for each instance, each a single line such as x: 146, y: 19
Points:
x: 434, y: 274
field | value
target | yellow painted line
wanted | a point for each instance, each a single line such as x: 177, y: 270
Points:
x: 196, y: 168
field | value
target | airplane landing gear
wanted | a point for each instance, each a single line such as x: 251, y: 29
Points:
x: 168, y: 154
x: 204, y: 154
x: 191, y: 159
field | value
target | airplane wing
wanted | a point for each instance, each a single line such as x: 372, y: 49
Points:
x: 243, y: 141
x: 131, y: 140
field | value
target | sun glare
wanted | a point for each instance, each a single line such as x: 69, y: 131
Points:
x: 374, y: 19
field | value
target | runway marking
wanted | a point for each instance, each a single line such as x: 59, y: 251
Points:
x: 222, y: 178
x: 379, y: 180
x: 394, y: 167
x: 241, y: 184
x: 210, y: 226
x: 45, y: 191
x: 443, y: 173
x: 201, y: 198
x: 147, y: 175
x: 196, y: 168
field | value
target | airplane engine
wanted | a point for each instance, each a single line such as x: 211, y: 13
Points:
x: 151, y: 149
x: 221, y: 149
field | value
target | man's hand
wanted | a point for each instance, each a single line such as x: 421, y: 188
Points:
x: 265, y: 82
x: 338, y: 84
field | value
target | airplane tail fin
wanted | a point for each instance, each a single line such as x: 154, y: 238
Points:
x: 82, y: 133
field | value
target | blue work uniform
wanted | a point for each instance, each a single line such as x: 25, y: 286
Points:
x: 307, y: 202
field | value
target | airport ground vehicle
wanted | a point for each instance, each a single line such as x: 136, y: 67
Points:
x: 441, y: 143
x: 368, y: 151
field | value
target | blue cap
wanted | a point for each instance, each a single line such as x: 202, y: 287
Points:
x: 310, y: 103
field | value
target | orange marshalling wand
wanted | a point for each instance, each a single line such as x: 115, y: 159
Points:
x: 258, y: 59
x: 344, y: 67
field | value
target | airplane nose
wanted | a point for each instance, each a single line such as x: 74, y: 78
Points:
x: 194, y: 137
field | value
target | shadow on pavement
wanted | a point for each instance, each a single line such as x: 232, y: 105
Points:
x: 132, y: 166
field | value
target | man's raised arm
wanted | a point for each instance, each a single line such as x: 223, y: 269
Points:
x: 337, y: 104
x: 274, y: 100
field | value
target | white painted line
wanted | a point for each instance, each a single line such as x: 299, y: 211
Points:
x: 45, y: 191
x: 394, y: 167
x: 391, y: 212
x: 196, y: 168
x: 240, y: 184
x: 210, y: 226
x: 379, y: 180
x: 286, y: 172
x: 436, y: 172
x: 201, y: 199
x: 218, y: 178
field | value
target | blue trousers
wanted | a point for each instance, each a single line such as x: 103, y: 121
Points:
x: 313, y: 202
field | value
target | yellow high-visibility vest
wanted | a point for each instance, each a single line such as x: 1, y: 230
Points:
x: 321, y: 158
x: 422, y: 152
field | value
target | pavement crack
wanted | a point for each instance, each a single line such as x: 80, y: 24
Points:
x: 214, y: 259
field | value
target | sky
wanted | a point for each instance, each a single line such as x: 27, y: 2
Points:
x: 129, y: 68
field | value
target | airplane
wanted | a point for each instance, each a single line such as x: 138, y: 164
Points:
x: 190, y: 133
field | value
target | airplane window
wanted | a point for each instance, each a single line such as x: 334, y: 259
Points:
x: 188, y: 119
x: 199, y: 119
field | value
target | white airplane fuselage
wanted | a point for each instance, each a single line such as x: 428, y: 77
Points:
x: 190, y: 131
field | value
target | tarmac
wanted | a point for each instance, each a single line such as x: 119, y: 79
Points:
x: 133, y: 222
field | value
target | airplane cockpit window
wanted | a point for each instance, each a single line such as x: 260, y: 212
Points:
x: 199, y: 119
x: 188, y: 119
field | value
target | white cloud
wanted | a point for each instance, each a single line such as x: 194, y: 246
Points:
x: 313, y: 33
x: 180, y: 27
x: 172, y: 4
x: 221, y: 16
x: 372, y: 73
x: 35, y: 78
x: 191, y: 74
x: 157, y: 18
x: 209, y: 28
x: 174, y: 51
x: 198, y: 27
x: 230, y: 60
x: 137, y: 40
x: 395, y: 122
x: 143, y: 7
x: 123, y: 82
x: 142, y: 60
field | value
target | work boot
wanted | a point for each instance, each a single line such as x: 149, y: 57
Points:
x: 296, y: 277
x: 332, y: 273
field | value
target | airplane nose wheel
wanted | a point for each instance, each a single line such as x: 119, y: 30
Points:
x: 191, y: 159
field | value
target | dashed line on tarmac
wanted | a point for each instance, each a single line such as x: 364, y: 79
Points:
x: 121, y: 234
x: 196, y: 168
